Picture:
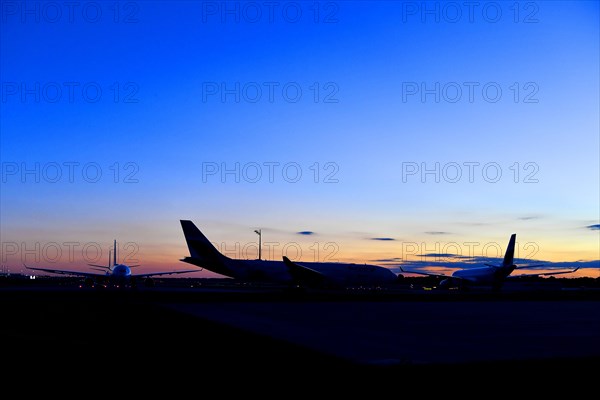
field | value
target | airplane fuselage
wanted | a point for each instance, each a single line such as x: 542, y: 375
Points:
x: 483, y: 275
x: 120, y: 271
x: 337, y: 274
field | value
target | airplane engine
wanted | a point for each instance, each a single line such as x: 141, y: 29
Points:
x: 399, y: 278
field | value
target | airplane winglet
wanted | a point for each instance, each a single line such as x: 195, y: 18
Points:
x: 288, y: 263
x: 302, y: 275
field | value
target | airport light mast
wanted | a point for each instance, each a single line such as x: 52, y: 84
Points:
x: 259, y: 233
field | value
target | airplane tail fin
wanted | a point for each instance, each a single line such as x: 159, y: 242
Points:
x: 510, y: 252
x: 200, y: 247
x: 203, y: 254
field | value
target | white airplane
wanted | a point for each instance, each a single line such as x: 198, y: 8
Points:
x: 118, y: 274
x: 490, y: 275
x: 310, y: 274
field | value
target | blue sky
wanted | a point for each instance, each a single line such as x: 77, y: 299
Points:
x: 163, y: 91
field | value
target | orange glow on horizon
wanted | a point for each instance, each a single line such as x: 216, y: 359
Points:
x: 155, y: 257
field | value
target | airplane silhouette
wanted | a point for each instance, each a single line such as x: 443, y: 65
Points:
x: 490, y: 275
x: 117, y: 274
x: 309, y: 274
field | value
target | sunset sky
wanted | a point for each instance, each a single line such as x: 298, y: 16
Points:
x: 373, y: 132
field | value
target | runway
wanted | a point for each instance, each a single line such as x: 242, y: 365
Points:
x: 261, y: 334
x: 399, y: 332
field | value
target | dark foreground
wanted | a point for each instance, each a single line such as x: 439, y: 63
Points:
x: 269, y: 338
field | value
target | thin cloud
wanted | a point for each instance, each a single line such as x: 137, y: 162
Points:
x: 594, y: 227
x: 523, y: 263
x: 445, y: 255
x: 306, y: 233
x: 476, y: 223
x: 385, y: 239
x: 527, y: 218
x: 437, y: 233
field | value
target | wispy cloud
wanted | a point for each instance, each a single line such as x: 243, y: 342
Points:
x: 306, y: 233
x: 437, y: 233
x: 527, y: 218
x: 445, y: 255
x: 385, y: 239
x: 594, y: 227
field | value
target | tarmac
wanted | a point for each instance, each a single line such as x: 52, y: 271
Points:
x: 258, y: 334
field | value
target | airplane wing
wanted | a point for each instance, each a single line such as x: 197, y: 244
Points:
x: 98, y: 269
x: 99, y: 266
x: 66, y: 272
x: 530, y: 266
x: 543, y: 273
x: 430, y: 274
x: 164, y: 273
x: 302, y: 275
x: 106, y: 267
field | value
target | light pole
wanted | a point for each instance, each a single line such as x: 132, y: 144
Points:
x: 259, y: 233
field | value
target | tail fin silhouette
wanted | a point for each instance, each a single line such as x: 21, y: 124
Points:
x: 198, y: 244
x: 510, y: 252
x: 202, y: 252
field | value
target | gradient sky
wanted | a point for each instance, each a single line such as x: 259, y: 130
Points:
x: 178, y: 97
